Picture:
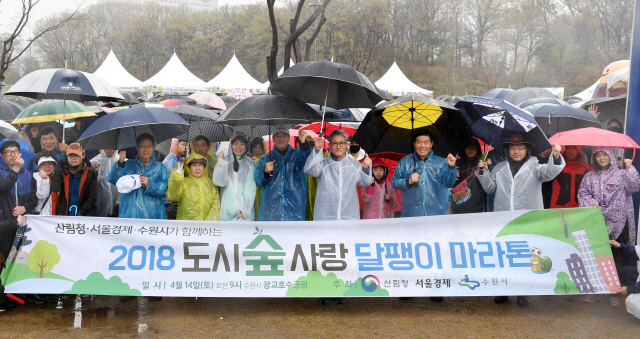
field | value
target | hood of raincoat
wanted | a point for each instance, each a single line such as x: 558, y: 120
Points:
x: 572, y: 163
x: 197, y: 198
x: 379, y: 163
x: 174, y: 147
x: 193, y: 156
x: 612, y: 157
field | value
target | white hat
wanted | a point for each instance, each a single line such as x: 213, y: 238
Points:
x: 46, y: 159
x: 280, y: 128
x: 128, y: 183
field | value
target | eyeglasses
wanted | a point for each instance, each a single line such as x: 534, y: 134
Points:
x: 145, y: 147
x: 16, y: 152
x: 338, y: 144
x: 519, y: 149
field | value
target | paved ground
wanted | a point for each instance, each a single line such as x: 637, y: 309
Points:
x: 109, y: 317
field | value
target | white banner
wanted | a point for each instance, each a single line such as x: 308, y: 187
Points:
x: 502, y: 253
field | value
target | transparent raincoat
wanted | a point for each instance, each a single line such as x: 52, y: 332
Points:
x: 237, y: 189
x: 337, y: 194
x: 108, y: 194
x: 522, y: 191
x: 431, y: 197
x: 284, y: 195
x: 142, y: 203
x: 197, y: 198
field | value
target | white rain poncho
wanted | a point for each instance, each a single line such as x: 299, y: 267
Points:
x: 337, y: 194
x: 522, y: 192
x: 108, y: 194
x: 237, y: 189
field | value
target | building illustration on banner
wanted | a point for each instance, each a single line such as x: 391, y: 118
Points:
x: 587, y: 272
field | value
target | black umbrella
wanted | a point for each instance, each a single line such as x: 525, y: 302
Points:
x: 2, y: 84
x: 21, y: 101
x: 444, y: 96
x: 390, y: 127
x: 129, y: 98
x: 452, y: 99
x: 572, y: 99
x: 229, y: 100
x: 339, y: 115
x: 609, y: 108
x: 553, y: 119
x: 553, y: 101
x: 173, y: 95
x: 518, y: 96
x: 120, y: 129
x: 202, y: 122
x: 497, y: 93
x: 386, y: 95
x: 9, y: 110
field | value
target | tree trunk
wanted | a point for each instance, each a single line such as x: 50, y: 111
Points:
x: 272, y: 72
x: 313, y: 37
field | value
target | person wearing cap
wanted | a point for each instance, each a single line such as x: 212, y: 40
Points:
x: 517, y: 182
x: 195, y: 193
x: 235, y: 179
x: 14, y: 177
x: 467, y: 195
x: 46, y: 168
x: 178, y: 150
x: 337, y: 195
x: 423, y: 179
x: 76, y: 184
x: 280, y: 175
x: 380, y: 195
x: 201, y: 145
x: 147, y: 201
x: 108, y: 195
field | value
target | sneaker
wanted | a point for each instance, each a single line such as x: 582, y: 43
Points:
x: 614, y: 301
x: 500, y: 300
x: 523, y: 301
x: 324, y: 300
x: 340, y: 300
x: 590, y: 298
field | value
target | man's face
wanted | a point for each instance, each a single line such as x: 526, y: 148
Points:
x: 10, y: 155
x: 145, y: 150
x: 182, y: 147
x: 202, y: 147
x: 517, y: 152
x: 614, y: 126
x: 281, y: 140
x: 423, y: 145
x: 49, y: 142
x: 339, y: 146
x: 572, y: 153
x: 238, y: 147
x: 197, y: 169
x: 109, y: 152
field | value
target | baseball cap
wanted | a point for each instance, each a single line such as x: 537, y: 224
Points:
x: 128, y: 183
x: 75, y: 148
x: 280, y: 128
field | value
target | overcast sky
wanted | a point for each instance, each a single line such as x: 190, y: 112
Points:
x: 10, y: 9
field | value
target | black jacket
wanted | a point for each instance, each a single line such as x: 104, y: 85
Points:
x: 88, y: 189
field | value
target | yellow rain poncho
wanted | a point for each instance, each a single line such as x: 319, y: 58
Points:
x: 197, y: 198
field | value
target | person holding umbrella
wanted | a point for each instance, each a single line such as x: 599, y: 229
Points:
x: 17, y: 186
x: 467, y: 195
x: 517, y: 182
x: 339, y: 174
x: 235, y: 179
x: 423, y: 179
x: 567, y: 184
x: 76, y: 184
x: 143, y: 197
x: 280, y: 175
x: 611, y: 189
x: 379, y: 194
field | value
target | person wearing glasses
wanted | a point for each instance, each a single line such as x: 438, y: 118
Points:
x: 423, y: 179
x: 17, y: 186
x: 144, y: 197
x: 280, y: 176
x: 339, y: 176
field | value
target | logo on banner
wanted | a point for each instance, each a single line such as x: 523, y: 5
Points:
x: 469, y: 283
x: 370, y: 283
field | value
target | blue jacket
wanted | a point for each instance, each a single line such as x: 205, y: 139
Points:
x: 142, y: 203
x: 630, y: 251
x: 431, y: 197
x: 26, y: 185
x: 283, y: 195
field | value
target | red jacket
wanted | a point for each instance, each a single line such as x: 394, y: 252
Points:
x: 567, y: 183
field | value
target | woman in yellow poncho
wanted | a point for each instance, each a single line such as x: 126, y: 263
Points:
x: 197, y: 197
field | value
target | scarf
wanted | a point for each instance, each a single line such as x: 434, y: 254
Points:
x: 78, y: 168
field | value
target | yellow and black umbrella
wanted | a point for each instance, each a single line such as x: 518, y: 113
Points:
x: 390, y: 126
x: 52, y: 110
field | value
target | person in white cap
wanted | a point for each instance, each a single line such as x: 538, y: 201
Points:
x: 280, y: 175
x: 46, y: 162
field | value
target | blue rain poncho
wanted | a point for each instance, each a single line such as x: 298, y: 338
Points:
x: 337, y: 194
x: 284, y: 195
x: 142, y: 203
x: 431, y: 197
x: 237, y: 189
x: 107, y: 193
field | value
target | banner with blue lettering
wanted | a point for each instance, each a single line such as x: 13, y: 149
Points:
x: 542, y: 252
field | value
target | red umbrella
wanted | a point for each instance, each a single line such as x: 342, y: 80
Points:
x: 173, y: 102
x: 328, y: 128
x: 592, y: 136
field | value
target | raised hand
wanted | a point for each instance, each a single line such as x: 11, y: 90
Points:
x: 302, y: 135
x: 319, y: 143
x: 123, y: 156
x: 451, y: 160
x: 415, y: 177
x: 556, y: 151
x: 627, y: 163
x: 366, y: 162
x: 221, y: 155
x: 18, y: 165
x: 593, y: 109
x: 63, y: 147
x: 268, y: 168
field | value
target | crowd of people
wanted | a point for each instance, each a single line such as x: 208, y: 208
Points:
x: 309, y: 183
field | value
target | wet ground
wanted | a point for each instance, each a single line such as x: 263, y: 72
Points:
x: 111, y: 317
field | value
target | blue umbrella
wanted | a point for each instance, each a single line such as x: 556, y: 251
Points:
x: 553, y: 119
x: 497, y: 93
x: 119, y: 130
x: 495, y: 121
